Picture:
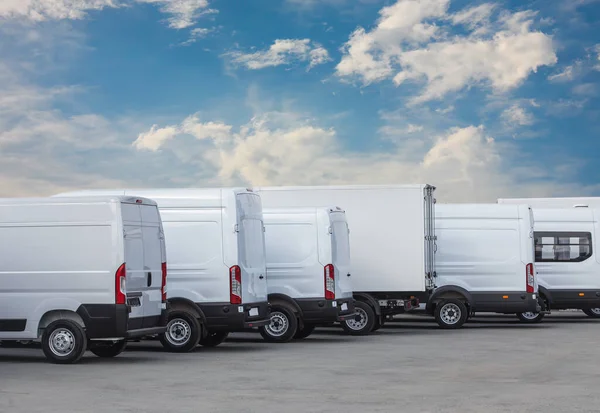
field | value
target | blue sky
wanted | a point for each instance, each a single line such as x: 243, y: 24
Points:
x: 482, y: 99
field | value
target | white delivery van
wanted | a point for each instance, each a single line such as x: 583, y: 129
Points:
x: 83, y: 273
x: 216, y: 262
x: 566, y: 252
x: 485, y: 259
x: 308, y: 270
x: 392, y: 243
x: 567, y: 202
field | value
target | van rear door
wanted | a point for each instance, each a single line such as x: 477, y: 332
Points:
x: 134, y: 262
x: 340, y: 245
x: 251, y: 248
x: 154, y: 256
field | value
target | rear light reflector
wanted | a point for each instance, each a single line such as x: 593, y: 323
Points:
x: 329, y: 282
x: 530, y: 278
x: 235, y: 285
x: 163, y: 286
x: 120, y: 285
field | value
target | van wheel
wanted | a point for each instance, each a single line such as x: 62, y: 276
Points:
x: 530, y: 317
x: 183, y: 332
x: 363, y: 321
x: 305, y: 332
x: 592, y: 312
x: 108, y: 349
x: 64, y: 342
x: 213, y: 339
x: 283, y: 325
x: 451, y: 313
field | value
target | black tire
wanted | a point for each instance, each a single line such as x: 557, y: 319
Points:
x: 304, y: 332
x: 451, y: 313
x: 590, y: 312
x: 530, y: 317
x: 363, y: 322
x: 64, y: 342
x: 106, y: 350
x: 214, y: 338
x: 283, y: 325
x: 183, y: 331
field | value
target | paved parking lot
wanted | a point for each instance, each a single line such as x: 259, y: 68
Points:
x: 494, y: 364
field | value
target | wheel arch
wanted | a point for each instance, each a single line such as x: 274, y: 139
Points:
x: 55, y: 315
x: 368, y: 299
x: 448, y: 291
x: 180, y: 302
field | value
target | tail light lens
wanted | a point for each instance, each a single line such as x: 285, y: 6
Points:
x: 235, y: 285
x: 530, y: 278
x: 120, y: 287
x: 163, y: 288
x: 329, y: 282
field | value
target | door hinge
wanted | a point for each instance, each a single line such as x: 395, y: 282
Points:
x: 236, y: 228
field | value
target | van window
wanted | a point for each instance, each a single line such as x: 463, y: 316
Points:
x: 341, y: 253
x: 289, y: 243
x: 563, y: 246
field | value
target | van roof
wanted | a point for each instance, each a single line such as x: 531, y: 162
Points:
x: 335, y: 187
x: 565, y: 214
x: 77, y: 200
x: 303, y: 210
x: 162, y: 193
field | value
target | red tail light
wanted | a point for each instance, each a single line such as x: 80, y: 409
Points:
x: 329, y: 282
x: 235, y: 285
x: 163, y: 288
x: 530, y: 278
x: 120, y: 289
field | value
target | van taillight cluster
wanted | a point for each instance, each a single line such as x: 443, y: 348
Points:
x: 120, y: 289
x: 163, y: 286
x: 235, y: 285
x: 530, y: 278
x: 329, y: 282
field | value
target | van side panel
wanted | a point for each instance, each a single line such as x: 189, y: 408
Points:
x: 37, y: 251
x: 340, y: 246
x: 195, y: 266
x: 293, y: 266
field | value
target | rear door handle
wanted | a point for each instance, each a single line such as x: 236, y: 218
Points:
x: 349, y: 275
x: 261, y: 277
x: 149, y: 279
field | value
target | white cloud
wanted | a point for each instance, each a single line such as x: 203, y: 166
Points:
x: 407, y: 45
x: 41, y: 10
x: 184, y: 13
x: 517, y: 116
x: 568, y: 73
x: 197, y: 34
x: 283, y: 52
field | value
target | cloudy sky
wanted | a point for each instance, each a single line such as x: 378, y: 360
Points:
x: 481, y: 99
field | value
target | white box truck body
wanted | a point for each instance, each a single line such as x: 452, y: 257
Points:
x: 486, y: 254
x: 391, y: 242
x: 566, y: 231
x: 73, y: 270
x: 216, y: 262
x: 308, y: 267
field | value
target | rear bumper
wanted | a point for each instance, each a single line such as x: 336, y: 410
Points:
x: 321, y: 311
x: 572, y: 299
x: 112, y: 321
x: 232, y: 317
x: 509, y: 302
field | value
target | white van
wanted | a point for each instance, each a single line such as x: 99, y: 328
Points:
x: 216, y: 262
x: 308, y: 270
x: 485, y: 257
x: 81, y: 273
x: 392, y: 248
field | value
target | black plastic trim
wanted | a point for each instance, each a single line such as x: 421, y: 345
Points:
x: 321, y: 311
x: 494, y: 302
x: 112, y: 321
x: 226, y: 316
x: 12, y: 325
x: 570, y: 299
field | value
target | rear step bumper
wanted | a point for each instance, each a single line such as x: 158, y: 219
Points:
x: 257, y: 323
x: 234, y: 317
x: 320, y: 311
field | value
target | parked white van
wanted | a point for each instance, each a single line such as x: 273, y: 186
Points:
x: 83, y: 273
x: 216, y: 262
x: 392, y: 247
x: 485, y: 258
x: 308, y: 270
x: 566, y: 252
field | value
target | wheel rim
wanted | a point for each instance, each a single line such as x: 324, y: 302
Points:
x: 595, y: 310
x: 178, y: 332
x: 529, y: 315
x: 359, y: 321
x: 450, y: 313
x: 279, y: 324
x: 62, y: 342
